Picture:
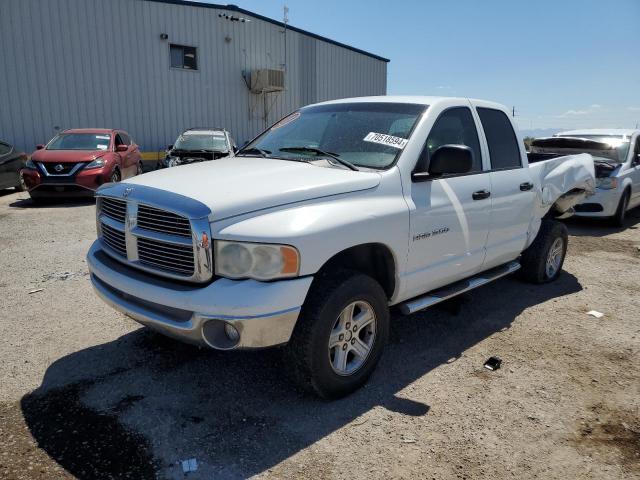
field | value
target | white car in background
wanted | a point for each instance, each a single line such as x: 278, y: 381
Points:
x: 616, y: 155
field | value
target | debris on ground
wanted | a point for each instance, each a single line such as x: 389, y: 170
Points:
x: 493, y: 363
x: 595, y: 313
x: 189, y: 465
x: 36, y: 290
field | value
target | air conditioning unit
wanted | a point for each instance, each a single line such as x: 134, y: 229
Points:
x: 267, y: 80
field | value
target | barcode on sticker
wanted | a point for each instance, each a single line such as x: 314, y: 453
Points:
x: 388, y: 140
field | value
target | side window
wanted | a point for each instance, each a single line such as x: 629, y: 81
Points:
x: 503, y: 144
x: 125, y: 138
x: 453, y: 127
x: 4, y: 148
x: 118, y: 140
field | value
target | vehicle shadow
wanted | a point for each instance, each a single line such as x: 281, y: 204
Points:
x: 600, y: 227
x: 137, y: 405
x: 58, y: 203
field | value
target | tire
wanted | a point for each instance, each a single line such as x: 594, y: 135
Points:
x: 313, y: 364
x: 140, y: 170
x: 618, y: 218
x: 21, y: 187
x: 115, y: 176
x: 552, y: 239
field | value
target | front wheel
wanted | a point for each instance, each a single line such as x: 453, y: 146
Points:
x: 542, y: 261
x: 22, y: 186
x: 618, y: 218
x: 340, y: 334
x: 115, y: 176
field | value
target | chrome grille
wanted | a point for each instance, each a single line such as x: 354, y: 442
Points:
x: 136, y: 230
x: 166, y: 256
x: 151, y: 218
x: 115, y: 239
x: 114, y: 208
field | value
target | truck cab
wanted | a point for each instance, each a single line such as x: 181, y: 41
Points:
x: 332, y: 216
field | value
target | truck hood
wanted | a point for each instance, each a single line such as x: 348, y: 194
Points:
x: 239, y: 185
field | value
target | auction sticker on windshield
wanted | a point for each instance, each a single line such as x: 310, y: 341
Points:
x: 384, y: 139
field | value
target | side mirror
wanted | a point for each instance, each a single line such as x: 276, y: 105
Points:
x: 447, y: 160
x: 169, y: 147
x: 39, y: 146
x: 122, y: 148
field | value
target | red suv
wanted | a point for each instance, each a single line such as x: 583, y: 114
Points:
x: 76, y: 162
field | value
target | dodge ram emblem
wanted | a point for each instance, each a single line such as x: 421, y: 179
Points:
x: 127, y: 191
x: 58, y: 168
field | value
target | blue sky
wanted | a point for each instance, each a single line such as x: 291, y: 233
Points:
x: 562, y: 64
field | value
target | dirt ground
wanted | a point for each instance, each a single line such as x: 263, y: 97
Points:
x: 87, y: 393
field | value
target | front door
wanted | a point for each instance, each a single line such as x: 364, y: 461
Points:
x: 449, y: 215
x: 635, y: 172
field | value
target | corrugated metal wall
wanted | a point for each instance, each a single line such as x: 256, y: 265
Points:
x: 101, y: 63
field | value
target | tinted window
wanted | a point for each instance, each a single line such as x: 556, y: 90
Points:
x: 503, y: 145
x: 453, y: 127
x: 182, y: 56
x: 125, y: 138
x: 4, y: 148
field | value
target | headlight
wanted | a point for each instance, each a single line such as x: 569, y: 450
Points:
x: 31, y: 165
x: 256, y: 260
x: 97, y: 163
x: 607, y: 183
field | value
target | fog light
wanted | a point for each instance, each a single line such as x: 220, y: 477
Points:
x: 231, y: 332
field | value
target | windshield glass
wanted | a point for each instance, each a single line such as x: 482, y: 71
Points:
x: 80, y: 141
x: 618, y: 146
x: 211, y: 142
x: 364, y: 134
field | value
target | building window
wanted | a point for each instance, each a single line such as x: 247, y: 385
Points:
x: 183, y: 57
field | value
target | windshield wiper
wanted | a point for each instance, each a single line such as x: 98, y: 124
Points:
x: 317, y: 151
x: 262, y: 153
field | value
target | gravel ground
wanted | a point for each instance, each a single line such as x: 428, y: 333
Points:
x: 87, y: 393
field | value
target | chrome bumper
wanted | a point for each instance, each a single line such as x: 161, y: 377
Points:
x: 263, y: 314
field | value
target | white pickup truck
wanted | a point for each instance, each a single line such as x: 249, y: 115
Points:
x: 333, y: 215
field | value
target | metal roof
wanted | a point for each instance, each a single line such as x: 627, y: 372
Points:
x: 235, y: 8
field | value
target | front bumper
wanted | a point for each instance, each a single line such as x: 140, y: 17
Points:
x: 603, y: 203
x: 82, y: 184
x: 263, y: 313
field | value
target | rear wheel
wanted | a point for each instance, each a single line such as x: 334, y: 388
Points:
x: 340, y: 334
x: 542, y: 261
x: 618, y: 219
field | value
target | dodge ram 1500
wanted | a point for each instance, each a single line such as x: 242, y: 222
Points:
x: 333, y: 215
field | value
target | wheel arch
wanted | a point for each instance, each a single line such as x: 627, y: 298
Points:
x: 373, y: 259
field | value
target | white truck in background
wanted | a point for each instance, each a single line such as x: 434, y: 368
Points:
x: 333, y: 215
x: 616, y: 155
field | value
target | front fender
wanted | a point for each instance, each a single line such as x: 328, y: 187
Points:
x: 321, y: 229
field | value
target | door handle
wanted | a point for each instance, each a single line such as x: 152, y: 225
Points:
x: 481, y: 194
x: 526, y: 186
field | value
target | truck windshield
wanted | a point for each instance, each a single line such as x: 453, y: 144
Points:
x: 364, y: 134
x: 215, y: 143
x: 612, y: 147
x: 80, y: 141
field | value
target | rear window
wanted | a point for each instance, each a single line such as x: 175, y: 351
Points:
x: 80, y: 141
x: 503, y: 144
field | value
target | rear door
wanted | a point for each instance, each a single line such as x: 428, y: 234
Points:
x: 512, y: 189
x: 449, y: 220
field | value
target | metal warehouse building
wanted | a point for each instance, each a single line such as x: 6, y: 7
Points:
x: 157, y: 67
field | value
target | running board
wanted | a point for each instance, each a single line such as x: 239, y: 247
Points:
x: 445, y: 293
